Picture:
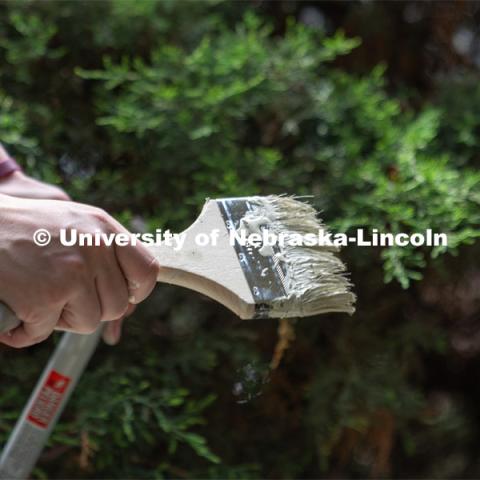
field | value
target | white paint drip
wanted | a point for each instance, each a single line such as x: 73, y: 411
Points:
x: 266, y: 250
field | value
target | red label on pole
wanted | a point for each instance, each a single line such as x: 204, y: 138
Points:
x: 48, y: 399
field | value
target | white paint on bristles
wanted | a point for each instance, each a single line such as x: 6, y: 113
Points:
x: 316, y: 280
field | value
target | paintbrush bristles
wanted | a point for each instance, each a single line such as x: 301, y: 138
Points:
x: 315, y: 279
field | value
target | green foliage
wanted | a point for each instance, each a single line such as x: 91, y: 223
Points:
x: 146, y: 108
x: 144, y: 410
x: 374, y: 157
x: 13, y: 124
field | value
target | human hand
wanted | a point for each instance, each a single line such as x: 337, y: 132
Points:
x: 18, y: 184
x: 68, y: 288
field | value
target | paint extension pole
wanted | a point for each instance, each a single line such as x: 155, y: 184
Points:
x: 46, y: 403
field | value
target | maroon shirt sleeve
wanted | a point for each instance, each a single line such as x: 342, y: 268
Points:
x: 7, y: 164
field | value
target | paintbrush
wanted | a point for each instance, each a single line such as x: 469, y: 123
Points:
x: 264, y: 281
x: 279, y: 280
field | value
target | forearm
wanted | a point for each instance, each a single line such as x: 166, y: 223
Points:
x: 7, y: 164
x: 15, y: 183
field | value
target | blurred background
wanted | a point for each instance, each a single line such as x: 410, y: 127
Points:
x: 145, y: 108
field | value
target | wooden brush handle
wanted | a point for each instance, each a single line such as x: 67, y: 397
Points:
x: 8, y: 320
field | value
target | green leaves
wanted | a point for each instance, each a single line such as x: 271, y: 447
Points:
x: 382, y: 161
x: 148, y: 415
x: 13, y: 124
x: 30, y: 43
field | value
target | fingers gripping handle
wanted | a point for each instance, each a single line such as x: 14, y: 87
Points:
x: 8, y: 320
